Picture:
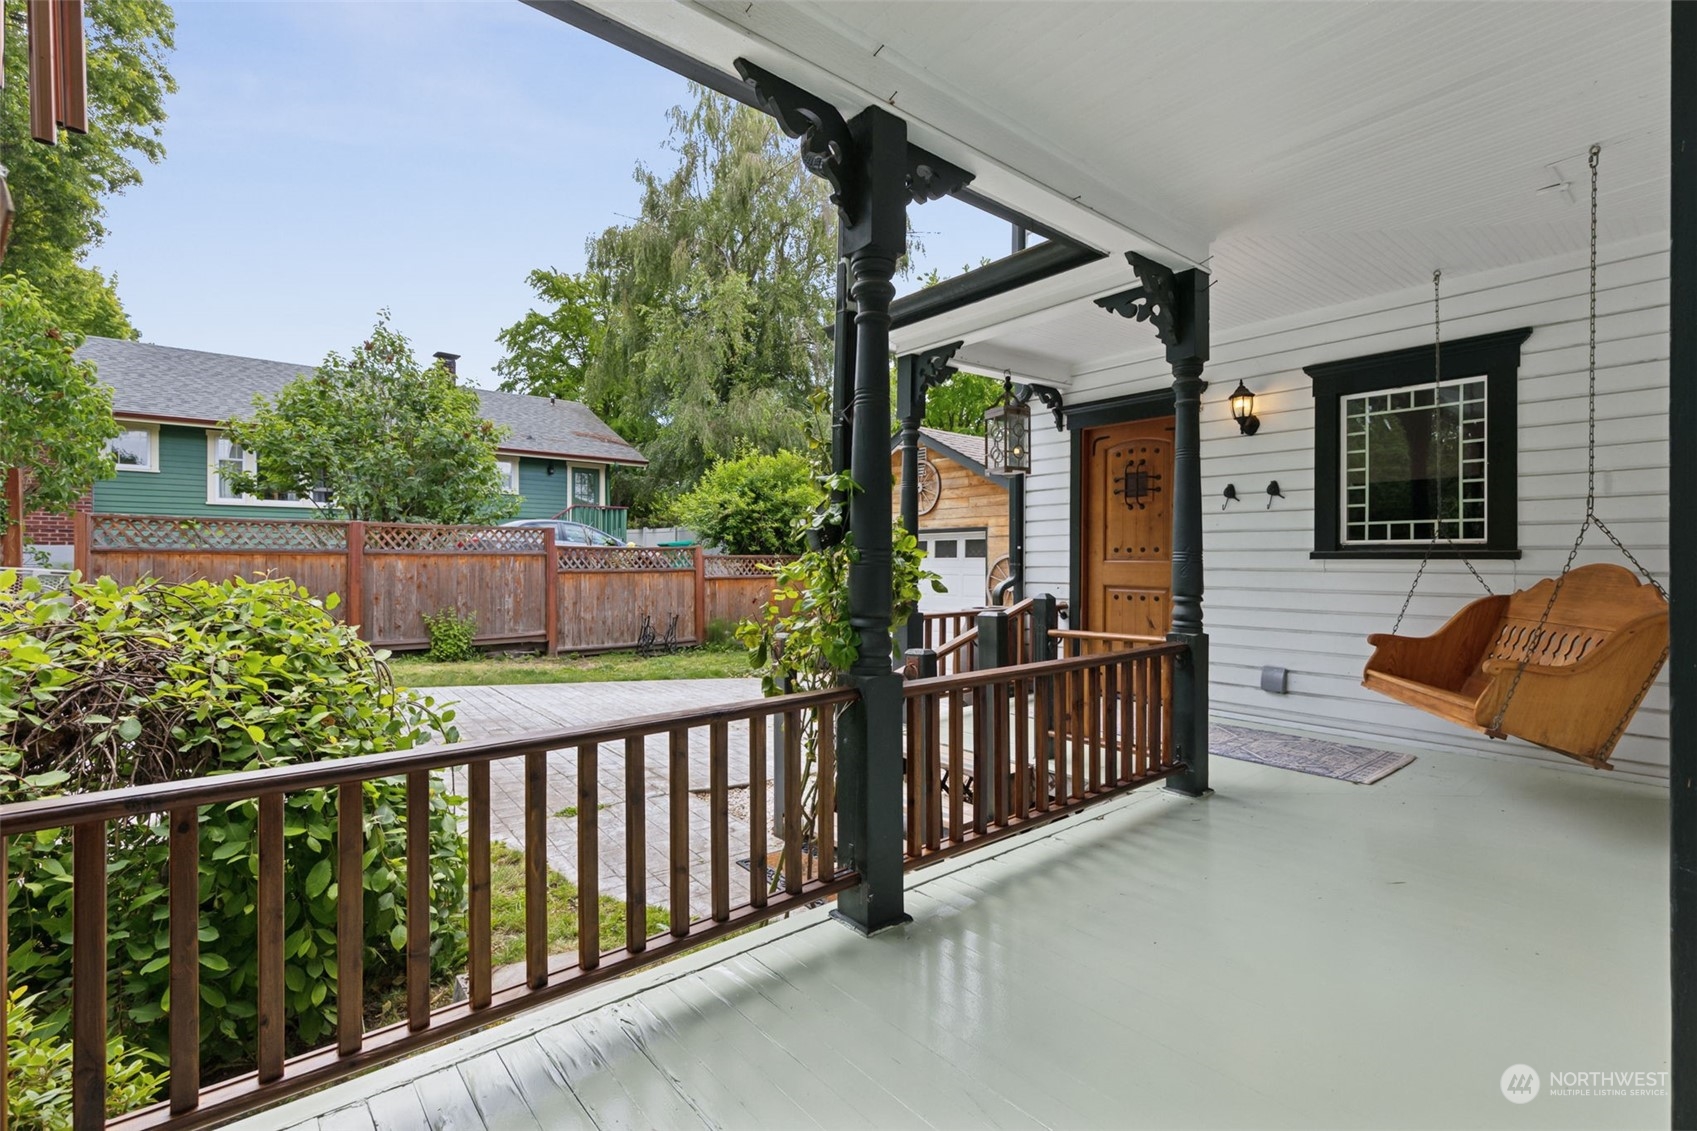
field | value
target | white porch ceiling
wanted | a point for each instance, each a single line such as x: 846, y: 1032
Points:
x: 1308, y: 153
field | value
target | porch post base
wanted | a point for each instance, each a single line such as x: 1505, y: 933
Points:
x: 865, y: 932
x: 869, y: 772
x: 1190, y: 715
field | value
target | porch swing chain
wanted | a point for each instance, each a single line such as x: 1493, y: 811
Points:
x: 1591, y: 517
x: 1437, y: 439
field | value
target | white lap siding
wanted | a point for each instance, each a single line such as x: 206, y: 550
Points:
x: 1269, y: 603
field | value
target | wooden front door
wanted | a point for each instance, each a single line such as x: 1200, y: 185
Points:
x: 1126, y: 565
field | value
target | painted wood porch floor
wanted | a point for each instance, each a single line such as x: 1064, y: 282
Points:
x: 1291, y: 952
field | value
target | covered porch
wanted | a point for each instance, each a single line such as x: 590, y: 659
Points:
x: 1293, y: 952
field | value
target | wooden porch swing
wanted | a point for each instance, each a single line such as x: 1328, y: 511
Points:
x: 1564, y: 663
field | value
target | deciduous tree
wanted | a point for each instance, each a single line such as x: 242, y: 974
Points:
x: 55, y: 416
x: 376, y: 436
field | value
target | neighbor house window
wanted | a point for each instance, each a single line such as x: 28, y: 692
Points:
x: 1401, y: 459
x: 229, y: 458
x: 136, y: 448
x: 509, y: 469
x: 586, y: 486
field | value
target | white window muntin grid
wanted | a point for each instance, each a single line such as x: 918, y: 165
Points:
x: 1469, y: 472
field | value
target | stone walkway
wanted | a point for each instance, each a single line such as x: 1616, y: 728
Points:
x: 498, y: 712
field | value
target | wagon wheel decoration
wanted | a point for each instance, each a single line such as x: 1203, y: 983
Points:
x: 1000, y: 570
x: 930, y: 486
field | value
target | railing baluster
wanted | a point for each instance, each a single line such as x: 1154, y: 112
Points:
x: 1021, y: 748
x: 826, y: 794
x: 677, y: 847
x: 757, y: 883
x: 1096, y: 694
x: 588, y: 858
x: 719, y: 776
x: 1110, y: 726
x: 1043, y: 712
x: 5, y: 991
x: 1142, y: 717
x: 914, y: 747
x: 1001, y: 751
x: 1122, y: 729
x: 479, y: 924
x: 269, y: 920
x: 636, y: 845
x: 88, y: 975
x: 1077, y: 715
x: 1168, y: 754
x: 983, y: 759
x: 184, y: 1040
x: 957, y: 766
x: 794, y: 850
x: 933, y: 771
x: 536, y: 869
x: 418, y: 900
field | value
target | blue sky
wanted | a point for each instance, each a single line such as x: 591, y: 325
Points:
x: 328, y: 159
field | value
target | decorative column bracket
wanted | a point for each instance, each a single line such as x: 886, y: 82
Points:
x: 1160, y: 300
x: 1051, y: 398
x: 827, y: 146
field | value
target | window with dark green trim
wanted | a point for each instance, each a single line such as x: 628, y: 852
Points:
x: 1400, y: 460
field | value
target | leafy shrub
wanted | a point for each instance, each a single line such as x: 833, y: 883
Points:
x: 753, y: 504
x: 451, y: 636
x: 38, y: 1072
x: 104, y: 686
x: 809, y: 604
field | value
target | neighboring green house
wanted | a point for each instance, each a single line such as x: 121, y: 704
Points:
x: 558, y: 456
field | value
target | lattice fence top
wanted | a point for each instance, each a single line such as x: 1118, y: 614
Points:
x: 52, y: 580
x: 574, y: 558
x: 386, y: 536
x: 745, y: 565
x: 147, y: 532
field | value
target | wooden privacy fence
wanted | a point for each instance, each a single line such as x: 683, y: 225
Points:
x: 521, y: 587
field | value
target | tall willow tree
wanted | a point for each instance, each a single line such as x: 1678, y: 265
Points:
x: 716, y: 302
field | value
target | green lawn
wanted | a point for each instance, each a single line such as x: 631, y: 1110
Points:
x: 694, y: 663
x: 506, y: 911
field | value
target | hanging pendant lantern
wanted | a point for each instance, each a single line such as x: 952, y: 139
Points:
x: 1007, y: 434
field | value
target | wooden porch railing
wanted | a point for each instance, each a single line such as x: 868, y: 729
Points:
x: 171, y: 808
x: 1076, y: 642
x: 989, y: 753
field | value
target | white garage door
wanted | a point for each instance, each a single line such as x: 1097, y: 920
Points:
x: 960, y: 558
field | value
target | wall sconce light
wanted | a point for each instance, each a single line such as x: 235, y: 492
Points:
x: 1007, y: 434
x: 550, y: 467
x: 1243, y: 409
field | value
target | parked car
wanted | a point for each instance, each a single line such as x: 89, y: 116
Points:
x: 568, y: 533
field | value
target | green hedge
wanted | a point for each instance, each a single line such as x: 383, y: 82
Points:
x: 105, y: 686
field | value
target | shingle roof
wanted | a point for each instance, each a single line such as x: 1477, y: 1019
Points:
x: 199, y: 387
x: 966, y: 450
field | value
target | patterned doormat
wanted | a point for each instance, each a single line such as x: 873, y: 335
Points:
x: 1305, y: 755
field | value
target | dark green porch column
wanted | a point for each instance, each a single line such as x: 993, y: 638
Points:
x: 869, y: 748
x: 910, y: 395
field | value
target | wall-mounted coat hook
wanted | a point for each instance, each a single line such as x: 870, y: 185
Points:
x: 1273, y: 492
x: 1230, y: 494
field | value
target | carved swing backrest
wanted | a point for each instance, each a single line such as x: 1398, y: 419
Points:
x: 1594, y: 603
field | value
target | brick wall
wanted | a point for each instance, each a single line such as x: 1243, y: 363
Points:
x: 44, y: 529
